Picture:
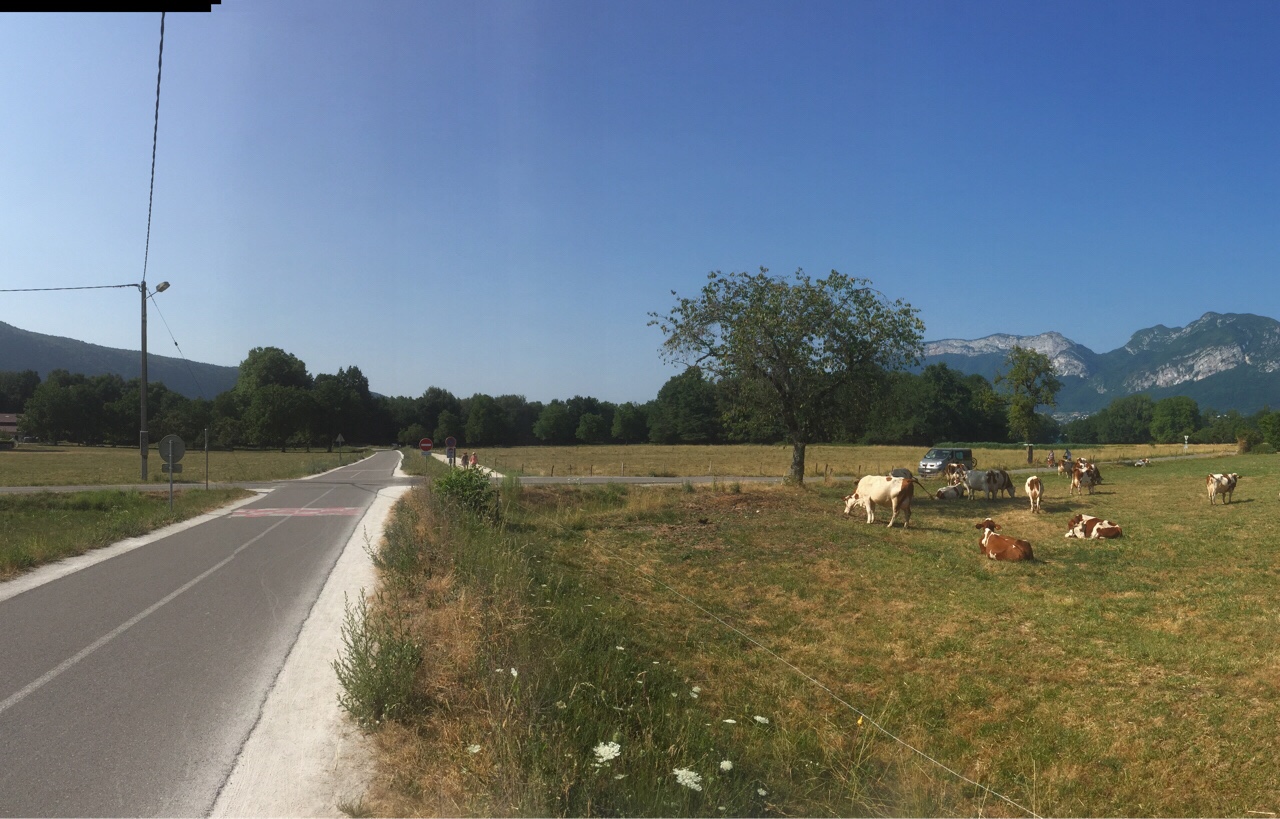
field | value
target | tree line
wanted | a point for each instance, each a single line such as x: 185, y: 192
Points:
x: 767, y: 360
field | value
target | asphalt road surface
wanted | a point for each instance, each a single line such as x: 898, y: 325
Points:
x: 128, y: 688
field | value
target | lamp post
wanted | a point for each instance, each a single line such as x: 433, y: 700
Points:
x: 143, y: 443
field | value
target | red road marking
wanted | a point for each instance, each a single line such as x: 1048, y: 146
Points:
x: 296, y: 512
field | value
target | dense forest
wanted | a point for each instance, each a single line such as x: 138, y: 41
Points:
x: 276, y: 403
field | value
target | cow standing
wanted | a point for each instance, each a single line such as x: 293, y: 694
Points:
x: 1034, y: 490
x: 1219, y: 484
x: 895, y: 493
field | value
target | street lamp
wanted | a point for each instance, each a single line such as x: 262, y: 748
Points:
x: 143, y: 443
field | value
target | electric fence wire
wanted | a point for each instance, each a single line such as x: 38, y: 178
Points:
x: 861, y: 714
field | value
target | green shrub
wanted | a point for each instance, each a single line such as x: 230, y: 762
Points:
x: 468, y: 488
x: 376, y: 668
x: 1263, y: 448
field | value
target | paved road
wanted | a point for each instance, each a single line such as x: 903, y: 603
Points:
x: 128, y: 688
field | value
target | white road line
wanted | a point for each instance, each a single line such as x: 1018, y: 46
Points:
x: 57, y: 671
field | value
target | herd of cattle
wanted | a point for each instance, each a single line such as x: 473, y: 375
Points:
x: 896, y: 494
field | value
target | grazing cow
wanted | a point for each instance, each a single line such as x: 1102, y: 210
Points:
x: 1034, y: 490
x: 1084, y: 474
x: 1088, y: 527
x: 953, y: 473
x: 1001, y: 547
x: 1064, y: 467
x: 895, y: 493
x: 1003, y: 483
x: 1219, y: 484
x: 950, y: 492
x: 980, y: 481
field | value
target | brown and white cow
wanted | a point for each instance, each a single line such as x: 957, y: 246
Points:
x: 1087, y: 527
x: 953, y: 473
x: 1084, y: 474
x: 895, y: 493
x: 1001, y: 547
x: 1034, y: 490
x: 950, y: 492
x: 1002, y: 482
x: 1219, y: 484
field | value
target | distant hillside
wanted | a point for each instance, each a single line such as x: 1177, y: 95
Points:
x: 24, y: 350
x: 1222, y: 360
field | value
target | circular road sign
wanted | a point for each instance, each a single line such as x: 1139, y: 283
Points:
x: 425, y: 444
x: 172, y: 449
x: 451, y: 442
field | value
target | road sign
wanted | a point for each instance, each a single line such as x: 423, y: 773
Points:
x: 425, y: 445
x: 339, y: 440
x: 450, y: 442
x: 172, y: 449
x: 171, y: 468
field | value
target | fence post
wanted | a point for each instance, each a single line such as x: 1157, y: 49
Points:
x: 553, y: 470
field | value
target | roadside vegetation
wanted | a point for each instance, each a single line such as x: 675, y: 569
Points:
x: 737, y: 649
x: 45, y: 527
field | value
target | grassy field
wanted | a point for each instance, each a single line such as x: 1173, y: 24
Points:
x: 759, y: 627
x: 70, y: 465
x: 48, y: 526
x: 751, y: 460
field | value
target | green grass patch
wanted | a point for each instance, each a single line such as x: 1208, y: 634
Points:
x: 71, y: 465
x: 47, y: 526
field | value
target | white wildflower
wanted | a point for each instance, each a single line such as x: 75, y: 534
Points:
x: 726, y: 765
x: 732, y: 721
x: 607, y: 751
x: 762, y: 720
x: 620, y: 648
x: 762, y: 791
x: 688, y: 778
x: 697, y: 689
x: 514, y: 673
x: 619, y: 776
x: 473, y: 749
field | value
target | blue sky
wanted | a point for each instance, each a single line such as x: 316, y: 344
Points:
x: 491, y: 197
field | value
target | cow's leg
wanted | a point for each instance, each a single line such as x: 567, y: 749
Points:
x: 871, y: 511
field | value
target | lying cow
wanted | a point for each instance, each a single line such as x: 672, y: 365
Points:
x: 1087, y: 527
x: 1001, y: 547
x: 1219, y: 484
x: 1034, y: 490
x: 950, y: 492
x: 895, y: 493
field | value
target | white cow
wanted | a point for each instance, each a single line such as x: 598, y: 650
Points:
x: 980, y: 481
x: 950, y: 492
x: 895, y: 493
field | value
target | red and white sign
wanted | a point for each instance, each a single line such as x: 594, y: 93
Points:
x: 425, y: 444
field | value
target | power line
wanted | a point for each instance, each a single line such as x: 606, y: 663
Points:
x: 45, y: 289
x: 155, y: 131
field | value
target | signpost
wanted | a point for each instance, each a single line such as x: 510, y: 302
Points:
x: 171, y: 451
x: 425, y: 446
x: 451, y: 448
x: 339, y: 441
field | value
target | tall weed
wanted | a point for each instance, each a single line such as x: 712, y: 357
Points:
x: 378, y: 662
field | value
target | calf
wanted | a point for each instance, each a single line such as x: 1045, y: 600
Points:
x: 950, y: 492
x: 896, y: 493
x: 1219, y: 484
x: 1088, y: 527
x: 1001, y: 547
x: 1034, y: 490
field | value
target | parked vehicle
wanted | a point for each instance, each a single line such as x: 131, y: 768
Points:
x: 936, y: 460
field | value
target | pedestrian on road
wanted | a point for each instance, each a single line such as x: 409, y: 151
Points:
x: 464, y: 460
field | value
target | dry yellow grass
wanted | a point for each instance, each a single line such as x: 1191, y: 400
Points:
x: 749, y: 460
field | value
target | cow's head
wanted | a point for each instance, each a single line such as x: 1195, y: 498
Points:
x: 850, y: 501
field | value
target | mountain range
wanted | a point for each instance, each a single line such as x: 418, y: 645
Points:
x: 25, y: 350
x: 1224, y: 361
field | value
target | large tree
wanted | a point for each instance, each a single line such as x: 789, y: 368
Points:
x: 792, y: 346
x: 1028, y: 382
